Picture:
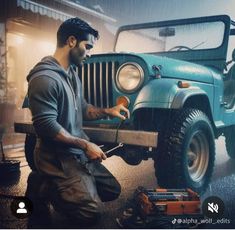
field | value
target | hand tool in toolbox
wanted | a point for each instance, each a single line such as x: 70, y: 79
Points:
x: 167, y: 201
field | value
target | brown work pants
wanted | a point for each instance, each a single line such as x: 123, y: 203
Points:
x: 78, y: 196
x: 77, y: 187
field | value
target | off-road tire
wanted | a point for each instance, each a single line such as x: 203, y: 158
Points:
x: 230, y: 141
x: 188, y: 129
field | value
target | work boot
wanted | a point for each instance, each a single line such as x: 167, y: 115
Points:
x: 129, y: 217
x: 132, y: 221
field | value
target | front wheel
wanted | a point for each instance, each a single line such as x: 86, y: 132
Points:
x: 186, y: 159
x: 230, y: 141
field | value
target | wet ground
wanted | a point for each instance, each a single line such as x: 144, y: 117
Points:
x: 130, y: 177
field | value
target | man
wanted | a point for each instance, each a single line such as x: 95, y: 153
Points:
x: 68, y: 163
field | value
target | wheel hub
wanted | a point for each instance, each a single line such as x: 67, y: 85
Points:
x: 198, y: 156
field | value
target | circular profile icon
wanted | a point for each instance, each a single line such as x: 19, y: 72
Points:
x: 213, y: 207
x: 21, y: 207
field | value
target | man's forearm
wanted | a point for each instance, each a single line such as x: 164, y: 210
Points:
x: 95, y: 113
x: 65, y: 137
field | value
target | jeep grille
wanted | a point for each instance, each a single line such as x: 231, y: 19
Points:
x: 96, y: 81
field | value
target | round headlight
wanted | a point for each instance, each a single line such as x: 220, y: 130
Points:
x: 130, y: 77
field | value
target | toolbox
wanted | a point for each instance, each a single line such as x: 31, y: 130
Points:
x: 168, y: 202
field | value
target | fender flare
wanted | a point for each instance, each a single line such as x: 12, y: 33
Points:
x: 182, y: 96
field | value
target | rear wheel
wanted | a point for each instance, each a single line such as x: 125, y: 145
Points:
x: 230, y: 141
x: 186, y: 155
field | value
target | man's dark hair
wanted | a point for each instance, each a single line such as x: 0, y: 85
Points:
x: 74, y: 27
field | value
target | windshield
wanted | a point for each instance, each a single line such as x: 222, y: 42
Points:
x: 206, y: 35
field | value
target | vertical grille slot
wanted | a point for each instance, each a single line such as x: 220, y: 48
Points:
x: 101, y: 85
x: 89, y: 82
x: 95, y: 84
x: 96, y: 81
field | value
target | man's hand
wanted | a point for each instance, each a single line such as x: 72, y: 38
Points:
x: 116, y: 111
x: 94, y: 152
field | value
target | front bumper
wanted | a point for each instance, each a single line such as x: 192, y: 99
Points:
x: 106, y: 135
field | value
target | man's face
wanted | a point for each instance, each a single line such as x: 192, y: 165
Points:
x: 80, y: 52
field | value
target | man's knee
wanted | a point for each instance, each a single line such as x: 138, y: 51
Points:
x: 109, y: 192
x: 107, y: 185
x: 114, y: 194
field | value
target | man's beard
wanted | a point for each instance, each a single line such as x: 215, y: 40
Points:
x: 75, y: 57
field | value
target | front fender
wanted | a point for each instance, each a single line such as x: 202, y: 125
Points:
x: 158, y: 93
x: 166, y: 94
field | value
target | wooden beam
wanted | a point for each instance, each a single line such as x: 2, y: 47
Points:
x: 108, y: 135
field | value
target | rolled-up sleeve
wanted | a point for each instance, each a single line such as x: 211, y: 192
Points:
x: 43, y: 93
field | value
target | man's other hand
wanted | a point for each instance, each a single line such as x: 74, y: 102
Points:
x: 116, y: 111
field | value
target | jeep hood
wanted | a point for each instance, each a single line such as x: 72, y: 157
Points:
x: 178, y: 69
x: 170, y: 67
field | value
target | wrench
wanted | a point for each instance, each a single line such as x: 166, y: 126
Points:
x: 109, y: 151
x: 118, y: 146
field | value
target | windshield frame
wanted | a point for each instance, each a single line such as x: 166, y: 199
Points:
x: 222, y: 18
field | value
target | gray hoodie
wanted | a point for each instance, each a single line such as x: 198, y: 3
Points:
x: 55, y: 100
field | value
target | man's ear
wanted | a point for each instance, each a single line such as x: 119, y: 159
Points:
x: 72, y: 41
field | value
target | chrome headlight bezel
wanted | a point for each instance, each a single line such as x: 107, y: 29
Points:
x: 141, y: 77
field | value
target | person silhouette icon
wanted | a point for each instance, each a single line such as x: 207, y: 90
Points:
x: 21, y: 208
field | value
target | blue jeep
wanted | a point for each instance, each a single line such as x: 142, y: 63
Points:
x: 179, y: 84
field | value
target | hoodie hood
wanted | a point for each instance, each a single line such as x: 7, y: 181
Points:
x: 47, y: 63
